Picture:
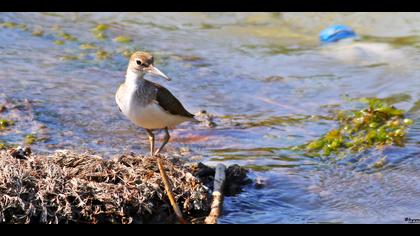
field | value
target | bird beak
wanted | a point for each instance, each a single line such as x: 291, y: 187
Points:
x: 155, y: 71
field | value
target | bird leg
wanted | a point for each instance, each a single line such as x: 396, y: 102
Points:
x: 151, y: 140
x: 165, y: 140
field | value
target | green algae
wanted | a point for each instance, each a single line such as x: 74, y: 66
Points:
x: 376, y: 126
x: 102, y: 54
x: 6, y: 123
x: 87, y: 46
x: 30, y: 139
x: 8, y: 24
x: 67, y: 36
x: 4, y: 145
x: 59, y: 42
x: 100, y: 28
x: 99, y: 31
x: 69, y: 58
x: 409, y: 40
x: 207, y: 26
x: 415, y: 108
x: 122, y: 39
x: 51, y: 14
x: 12, y: 25
x: 99, y: 35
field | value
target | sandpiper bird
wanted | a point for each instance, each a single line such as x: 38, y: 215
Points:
x: 147, y: 104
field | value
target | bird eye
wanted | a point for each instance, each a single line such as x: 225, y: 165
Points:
x: 138, y: 62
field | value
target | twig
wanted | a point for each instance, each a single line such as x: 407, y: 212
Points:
x: 217, y: 204
x: 169, y: 192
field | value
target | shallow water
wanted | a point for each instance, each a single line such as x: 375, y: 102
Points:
x: 267, y: 81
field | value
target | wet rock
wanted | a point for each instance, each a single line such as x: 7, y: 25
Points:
x: 260, y: 182
x: 20, y: 153
x: 236, y: 179
x: 207, y: 118
x: 204, y: 173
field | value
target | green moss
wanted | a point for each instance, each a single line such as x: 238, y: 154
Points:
x: 87, y: 46
x: 415, y: 108
x: 101, y: 55
x: 69, y: 58
x: 8, y: 24
x: 5, y: 145
x: 122, y: 39
x: 6, y: 123
x: 207, y: 26
x: 67, y: 36
x: 59, y: 42
x: 51, y: 14
x: 377, y: 125
x: 30, y: 139
x: 396, y: 41
x: 100, y: 28
x: 99, y: 31
x: 408, y: 40
x: 408, y: 121
x: 100, y: 35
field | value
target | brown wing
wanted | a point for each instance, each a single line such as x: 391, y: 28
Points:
x: 170, y: 103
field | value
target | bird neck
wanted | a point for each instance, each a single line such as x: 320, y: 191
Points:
x: 133, y: 79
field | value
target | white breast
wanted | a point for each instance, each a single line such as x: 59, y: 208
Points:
x: 149, y: 116
x: 153, y: 116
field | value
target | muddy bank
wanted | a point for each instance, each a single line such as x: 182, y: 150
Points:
x: 67, y: 187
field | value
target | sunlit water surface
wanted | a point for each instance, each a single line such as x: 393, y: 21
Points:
x: 267, y: 81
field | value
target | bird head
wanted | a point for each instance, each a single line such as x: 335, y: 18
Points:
x: 142, y: 63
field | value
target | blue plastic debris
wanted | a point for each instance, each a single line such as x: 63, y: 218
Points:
x: 335, y: 33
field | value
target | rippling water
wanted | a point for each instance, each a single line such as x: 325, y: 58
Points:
x: 267, y: 81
